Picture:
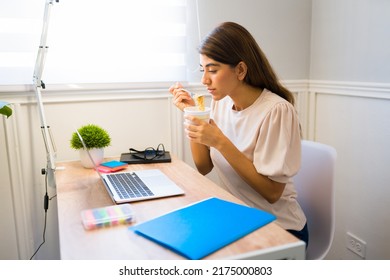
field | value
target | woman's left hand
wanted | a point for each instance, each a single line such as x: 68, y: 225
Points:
x: 202, y: 132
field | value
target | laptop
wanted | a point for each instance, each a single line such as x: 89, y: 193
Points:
x: 137, y: 185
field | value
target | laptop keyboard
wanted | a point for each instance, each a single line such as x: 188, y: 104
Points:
x: 129, y: 185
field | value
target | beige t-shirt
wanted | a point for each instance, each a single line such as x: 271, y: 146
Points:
x: 268, y: 134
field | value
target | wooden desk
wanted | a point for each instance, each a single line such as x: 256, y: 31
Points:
x: 79, y: 188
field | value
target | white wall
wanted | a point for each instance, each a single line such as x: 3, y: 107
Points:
x: 351, y: 41
x: 66, y: 110
x: 282, y: 29
x: 350, y: 84
x: 358, y: 126
x: 345, y: 104
x: 8, y: 240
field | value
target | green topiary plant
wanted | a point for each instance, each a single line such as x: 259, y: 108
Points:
x: 4, y: 109
x: 94, y: 137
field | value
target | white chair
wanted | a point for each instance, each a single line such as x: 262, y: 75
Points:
x: 314, y: 185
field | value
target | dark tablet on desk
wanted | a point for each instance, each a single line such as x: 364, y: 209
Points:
x: 131, y: 159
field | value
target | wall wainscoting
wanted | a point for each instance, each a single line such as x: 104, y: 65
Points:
x: 346, y: 115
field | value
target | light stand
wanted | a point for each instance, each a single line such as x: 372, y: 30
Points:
x: 38, y: 85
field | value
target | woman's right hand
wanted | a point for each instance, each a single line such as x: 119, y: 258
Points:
x: 181, y: 98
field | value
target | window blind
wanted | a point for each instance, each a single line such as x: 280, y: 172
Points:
x: 95, y: 41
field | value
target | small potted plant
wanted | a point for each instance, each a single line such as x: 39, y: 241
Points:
x: 95, y: 139
x: 4, y: 109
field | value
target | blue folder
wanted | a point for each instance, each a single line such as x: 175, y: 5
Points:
x: 202, y: 228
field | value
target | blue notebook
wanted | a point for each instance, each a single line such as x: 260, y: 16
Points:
x: 202, y: 228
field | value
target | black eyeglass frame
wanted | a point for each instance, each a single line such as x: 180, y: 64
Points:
x: 149, y: 153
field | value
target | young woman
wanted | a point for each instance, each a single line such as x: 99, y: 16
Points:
x: 253, y: 137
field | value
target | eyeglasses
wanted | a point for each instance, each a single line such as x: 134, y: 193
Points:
x: 149, y: 153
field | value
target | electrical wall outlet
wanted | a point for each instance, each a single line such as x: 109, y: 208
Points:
x: 356, y: 245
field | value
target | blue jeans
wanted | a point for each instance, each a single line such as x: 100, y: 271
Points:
x: 302, y: 234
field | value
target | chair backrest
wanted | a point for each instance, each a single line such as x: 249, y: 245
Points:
x: 314, y: 185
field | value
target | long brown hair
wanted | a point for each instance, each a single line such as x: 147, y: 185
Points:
x: 230, y: 43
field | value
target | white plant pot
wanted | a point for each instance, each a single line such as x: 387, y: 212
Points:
x: 96, y: 154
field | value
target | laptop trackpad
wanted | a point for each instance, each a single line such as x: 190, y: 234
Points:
x: 155, y: 178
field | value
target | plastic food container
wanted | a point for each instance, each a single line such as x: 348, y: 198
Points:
x: 107, y: 216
